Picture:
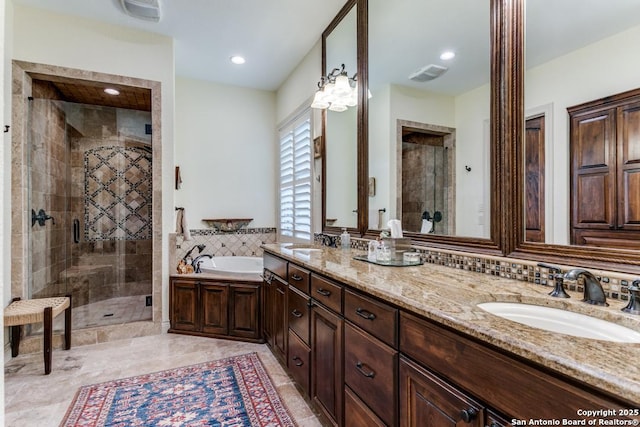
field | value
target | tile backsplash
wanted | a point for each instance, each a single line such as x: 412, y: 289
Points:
x: 616, y: 285
x: 244, y: 242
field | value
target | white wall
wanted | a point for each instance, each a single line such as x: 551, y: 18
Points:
x: 603, y: 68
x: 5, y: 190
x: 300, y: 86
x: 225, y: 148
x: 48, y: 38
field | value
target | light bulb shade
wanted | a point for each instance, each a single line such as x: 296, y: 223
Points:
x: 329, y: 96
x: 338, y: 107
x: 369, y: 96
x: 342, y: 87
x: 319, y: 101
x: 352, y: 100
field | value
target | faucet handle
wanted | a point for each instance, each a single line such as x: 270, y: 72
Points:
x: 552, y: 268
x: 633, y: 306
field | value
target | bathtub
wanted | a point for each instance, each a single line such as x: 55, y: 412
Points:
x: 232, y: 265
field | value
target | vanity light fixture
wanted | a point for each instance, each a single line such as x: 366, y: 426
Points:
x: 447, y: 55
x: 336, y: 91
x: 112, y: 91
x: 237, y: 59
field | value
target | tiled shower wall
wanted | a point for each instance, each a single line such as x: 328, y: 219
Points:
x: 244, y: 242
x: 49, y: 184
x: 424, y: 185
x: 104, y: 182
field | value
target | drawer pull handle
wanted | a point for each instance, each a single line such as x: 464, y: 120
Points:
x: 296, y: 277
x: 298, y: 361
x: 324, y: 292
x: 369, y: 374
x: 365, y: 314
x: 468, y: 415
x: 296, y: 313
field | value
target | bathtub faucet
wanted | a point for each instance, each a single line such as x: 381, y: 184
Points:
x: 198, y: 261
x: 188, y: 255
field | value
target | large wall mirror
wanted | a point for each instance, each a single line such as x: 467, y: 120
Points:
x: 429, y: 133
x: 580, y: 170
x: 341, y: 133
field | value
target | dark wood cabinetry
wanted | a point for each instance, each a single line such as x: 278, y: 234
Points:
x: 276, y: 316
x: 426, y: 400
x: 327, y: 330
x: 209, y: 307
x: 605, y: 171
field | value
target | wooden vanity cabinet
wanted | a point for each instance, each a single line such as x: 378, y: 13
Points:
x: 275, y: 319
x: 327, y: 329
x: 426, y: 400
x: 208, y: 307
x: 496, y: 420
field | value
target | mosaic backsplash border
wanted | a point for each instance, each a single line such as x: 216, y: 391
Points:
x: 615, y: 285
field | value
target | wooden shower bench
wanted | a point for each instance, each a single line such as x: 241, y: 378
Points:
x: 23, y: 312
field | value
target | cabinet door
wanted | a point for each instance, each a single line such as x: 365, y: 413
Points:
x: 426, y: 400
x: 280, y: 315
x: 593, y: 170
x: 370, y: 368
x: 298, y: 362
x: 183, y: 300
x: 244, y: 300
x: 495, y: 420
x: 628, y: 122
x: 213, y: 302
x: 327, y: 331
x: 267, y: 308
x: 357, y: 413
x: 299, y: 313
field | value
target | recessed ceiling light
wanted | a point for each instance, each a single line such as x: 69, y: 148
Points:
x: 236, y: 59
x: 447, y: 54
x: 112, y: 91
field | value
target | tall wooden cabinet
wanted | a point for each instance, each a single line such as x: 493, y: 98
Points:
x: 605, y: 171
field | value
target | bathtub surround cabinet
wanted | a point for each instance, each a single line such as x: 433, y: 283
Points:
x: 206, y: 306
x: 373, y: 346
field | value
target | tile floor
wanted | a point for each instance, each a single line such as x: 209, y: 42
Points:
x: 35, y: 400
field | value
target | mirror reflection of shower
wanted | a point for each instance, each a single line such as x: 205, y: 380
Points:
x: 426, y: 184
x: 90, y: 169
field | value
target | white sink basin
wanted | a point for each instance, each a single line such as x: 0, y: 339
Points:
x: 562, y: 321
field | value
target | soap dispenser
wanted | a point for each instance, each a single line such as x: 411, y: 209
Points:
x: 345, y: 239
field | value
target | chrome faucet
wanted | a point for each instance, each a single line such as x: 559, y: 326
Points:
x: 593, y: 292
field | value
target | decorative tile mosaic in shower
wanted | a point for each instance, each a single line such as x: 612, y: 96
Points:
x: 117, y: 193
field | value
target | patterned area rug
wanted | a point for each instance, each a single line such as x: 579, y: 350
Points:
x: 235, y: 391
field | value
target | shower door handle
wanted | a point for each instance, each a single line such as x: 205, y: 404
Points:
x: 76, y: 231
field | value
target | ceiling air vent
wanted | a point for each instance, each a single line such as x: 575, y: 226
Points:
x: 427, y: 73
x: 148, y: 10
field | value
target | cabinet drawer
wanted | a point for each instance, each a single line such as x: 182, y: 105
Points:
x: 374, y: 317
x: 299, y: 314
x: 357, y: 414
x: 298, y: 362
x: 327, y: 293
x: 495, y: 376
x: 274, y: 264
x: 369, y: 369
x: 299, y: 278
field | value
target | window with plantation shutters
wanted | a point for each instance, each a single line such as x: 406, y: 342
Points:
x: 295, y: 178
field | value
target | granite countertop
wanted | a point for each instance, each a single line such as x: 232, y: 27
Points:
x: 450, y: 296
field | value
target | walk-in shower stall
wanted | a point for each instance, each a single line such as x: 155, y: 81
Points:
x: 90, y: 198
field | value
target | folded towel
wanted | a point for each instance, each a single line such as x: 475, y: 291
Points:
x: 181, y: 225
x: 427, y: 226
x: 395, y: 227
